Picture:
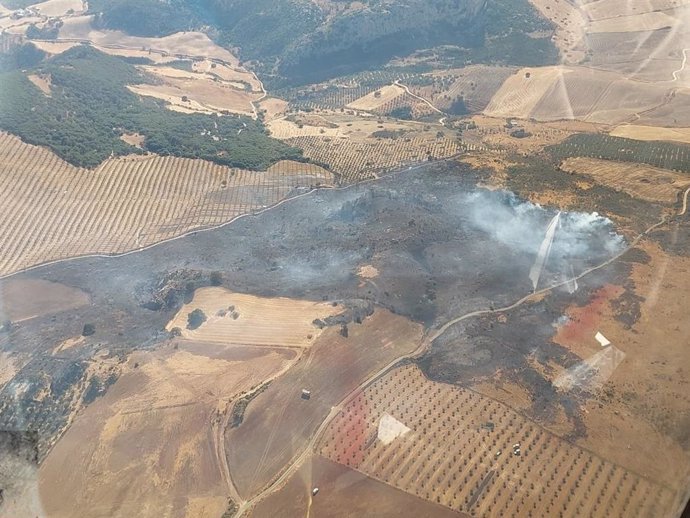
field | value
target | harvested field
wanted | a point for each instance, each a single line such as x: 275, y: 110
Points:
x: 343, y: 493
x: 226, y: 73
x: 378, y: 98
x: 625, y: 100
x: 22, y: 299
x: 522, y: 91
x: 146, y: 448
x: 355, y: 161
x: 641, y: 181
x: 273, y: 107
x: 199, y: 95
x: 134, y: 139
x: 675, y: 113
x: 52, y: 210
x: 278, y: 423
x: 639, y: 132
x: 253, y: 320
x: 60, y: 7
x: 549, y: 477
x: 603, y: 9
x: 649, y: 21
x: 181, y: 44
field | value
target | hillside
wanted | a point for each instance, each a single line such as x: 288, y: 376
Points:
x: 300, y: 41
x: 86, y: 110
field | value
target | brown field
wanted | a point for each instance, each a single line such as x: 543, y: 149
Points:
x: 360, y: 160
x: 253, y: 320
x: 371, y: 101
x: 463, y: 469
x: 147, y: 447
x: 639, y: 132
x: 638, y: 180
x: 273, y: 108
x: 331, y: 124
x: 181, y: 44
x: 639, y: 417
x: 278, y: 423
x: 134, y: 139
x: 59, y: 7
x: 52, y: 210
x: 343, y: 493
x: 22, y: 299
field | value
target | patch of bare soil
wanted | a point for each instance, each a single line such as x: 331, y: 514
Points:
x: 343, y: 492
x: 22, y: 299
x: 146, y: 448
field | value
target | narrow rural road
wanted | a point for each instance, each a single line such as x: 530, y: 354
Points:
x: 425, y: 343
x: 676, y: 74
x: 425, y: 101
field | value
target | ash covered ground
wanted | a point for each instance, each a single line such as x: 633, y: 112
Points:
x: 442, y: 246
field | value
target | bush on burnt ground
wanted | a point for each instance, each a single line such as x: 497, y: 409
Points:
x: 195, y: 319
x: 90, y: 108
x: 88, y: 330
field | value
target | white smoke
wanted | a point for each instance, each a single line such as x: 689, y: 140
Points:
x: 582, y: 238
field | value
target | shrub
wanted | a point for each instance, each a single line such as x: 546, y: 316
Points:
x: 195, y: 319
x: 89, y: 329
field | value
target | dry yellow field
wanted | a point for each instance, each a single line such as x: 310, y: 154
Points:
x: 203, y: 95
x: 60, y: 7
x: 602, y: 9
x: 638, y: 180
x: 42, y: 82
x: 522, y: 91
x: 240, y: 319
x: 54, y: 47
x: 638, y: 132
x: 151, y: 445
x: 649, y: 21
x: 396, y: 431
x: 227, y: 73
x: 182, y: 44
x: 378, y: 98
x: 53, y: 210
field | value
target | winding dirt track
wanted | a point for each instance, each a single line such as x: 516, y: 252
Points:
x: 287, y: 473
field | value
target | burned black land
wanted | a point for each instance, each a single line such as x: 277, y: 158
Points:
x: 442, y: 247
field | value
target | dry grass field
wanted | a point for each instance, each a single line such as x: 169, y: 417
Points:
x: 603, y: 9
x: 375, y: 100
x: 199, y: 94
x: 54, y: 47
x: 343, y: 493
x: 473, y: 468
x: 638, y: 180
x: 521, y: 92
x: 639, y: 132
x: 60, y: 7
x: 181, y: 44
x: 567, y: 93
x: 649, y: 21
x: 253, y: 320
x: 52, y: 210
x: 146, y: 448
x: 278, y: 422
